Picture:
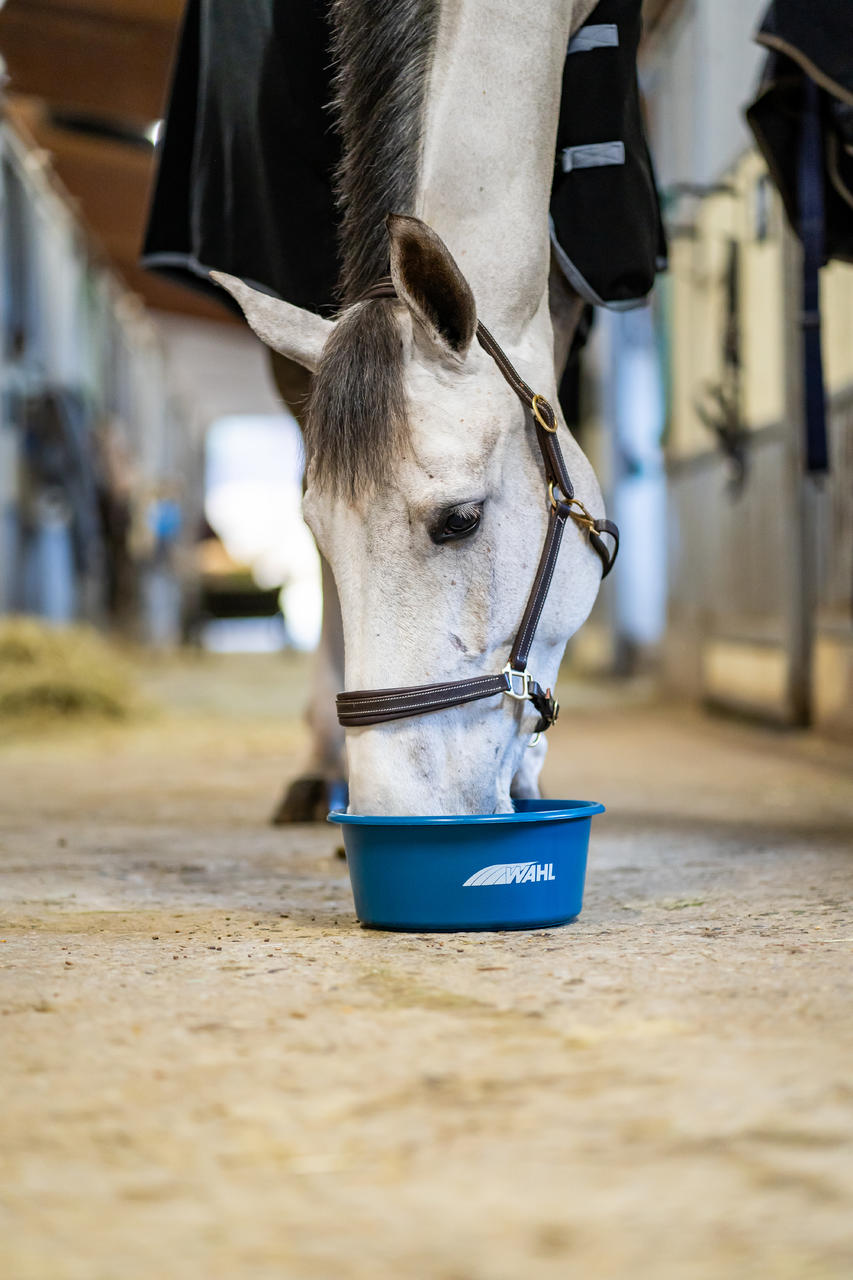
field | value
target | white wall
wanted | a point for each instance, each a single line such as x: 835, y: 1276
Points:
x: 217, y: 369
x: 698, y: 75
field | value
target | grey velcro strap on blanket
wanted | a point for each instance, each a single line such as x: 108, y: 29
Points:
x: 592, y: 156
x: 597, y: 35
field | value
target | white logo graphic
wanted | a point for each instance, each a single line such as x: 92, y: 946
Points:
x: 511, y: 873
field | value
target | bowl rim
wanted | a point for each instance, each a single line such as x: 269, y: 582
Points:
x: 568, y: 809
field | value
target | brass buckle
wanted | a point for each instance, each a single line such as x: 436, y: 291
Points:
x: 580, y: 514
x: 524, y: 677
x: 537, y: 399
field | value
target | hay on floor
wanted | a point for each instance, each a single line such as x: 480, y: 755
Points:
x: 60, y: 672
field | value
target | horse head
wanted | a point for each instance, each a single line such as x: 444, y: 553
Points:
x: 425, y: 492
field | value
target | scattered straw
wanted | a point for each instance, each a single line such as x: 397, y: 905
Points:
x: 60, y: 672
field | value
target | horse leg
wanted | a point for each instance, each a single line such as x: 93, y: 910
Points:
x: 322, y: 783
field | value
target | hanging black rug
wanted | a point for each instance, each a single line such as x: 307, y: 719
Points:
x: 802, y: 119
x: 246, y: 167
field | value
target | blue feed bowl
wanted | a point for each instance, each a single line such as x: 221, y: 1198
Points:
x: 522, y: 870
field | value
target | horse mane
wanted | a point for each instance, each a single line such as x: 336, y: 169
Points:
x: 356, y: 424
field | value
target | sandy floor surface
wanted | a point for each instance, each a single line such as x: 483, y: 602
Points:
x: 209, y: 1069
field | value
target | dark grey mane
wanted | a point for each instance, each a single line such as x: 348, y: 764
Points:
x: 357, y: 415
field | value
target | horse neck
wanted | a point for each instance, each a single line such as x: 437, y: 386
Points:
x: 489, y: 133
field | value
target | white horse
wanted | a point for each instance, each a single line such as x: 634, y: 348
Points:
x: 425, y: 488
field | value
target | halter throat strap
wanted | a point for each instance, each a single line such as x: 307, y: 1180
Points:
x: 375, y: 706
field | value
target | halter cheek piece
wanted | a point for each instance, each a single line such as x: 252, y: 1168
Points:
x: 375, y: 706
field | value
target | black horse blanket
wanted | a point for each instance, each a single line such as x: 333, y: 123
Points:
x: 247, y: 161
x: 802, y: 119
x: 809, y: 42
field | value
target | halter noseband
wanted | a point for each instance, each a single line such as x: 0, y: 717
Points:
x: 375, y: 706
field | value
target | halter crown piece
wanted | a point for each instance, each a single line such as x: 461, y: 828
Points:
x: 375, y: 706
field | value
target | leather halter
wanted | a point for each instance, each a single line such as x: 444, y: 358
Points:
x: 375, y: 706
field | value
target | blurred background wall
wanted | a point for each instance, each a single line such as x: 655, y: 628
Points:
x: 737, y: 579
x: 112, y: 378
x: 118, y: 388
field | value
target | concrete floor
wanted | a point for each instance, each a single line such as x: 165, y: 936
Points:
x: 209, y: 1070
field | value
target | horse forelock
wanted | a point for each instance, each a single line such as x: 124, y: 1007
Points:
x: 382, y: 51
x: 357, y: 425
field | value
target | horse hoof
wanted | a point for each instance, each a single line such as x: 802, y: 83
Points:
x: 309, y: 799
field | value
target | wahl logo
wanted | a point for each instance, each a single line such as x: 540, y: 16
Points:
x: 511, y: 873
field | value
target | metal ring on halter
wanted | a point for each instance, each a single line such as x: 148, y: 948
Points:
x: 581, y: 516
x: 537, y: 413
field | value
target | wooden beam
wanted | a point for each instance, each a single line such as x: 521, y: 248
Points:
x: 108, y: 183
x: 88, y: 63
x: 163, y: 11
x: 165, y: 296
x: 110, y: 180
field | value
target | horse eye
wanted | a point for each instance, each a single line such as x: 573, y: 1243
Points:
x: 457, y: 523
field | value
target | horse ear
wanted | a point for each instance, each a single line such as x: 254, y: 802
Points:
x: 300, y: 335
x: 428, y: 280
